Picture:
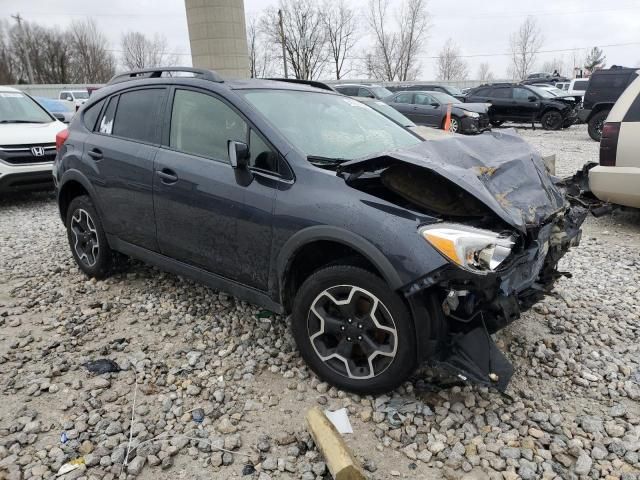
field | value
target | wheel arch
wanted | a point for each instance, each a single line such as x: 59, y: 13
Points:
x: 298, y: 258
x: 72, y: 185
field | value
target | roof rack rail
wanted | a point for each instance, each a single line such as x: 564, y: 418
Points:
x: 311, y: 83
x: 158, y: 71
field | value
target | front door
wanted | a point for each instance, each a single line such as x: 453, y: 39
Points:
x: 526, y: 104
x: 120, y: 151
x: 209, y: 214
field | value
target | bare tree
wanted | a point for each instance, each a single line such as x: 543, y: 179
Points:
x: 450, y: 65
x: 305, y: 36
x: 92, y: 60
x: 556, y: 64
x: 525, y: 45
x: 341, y: 27
x: 138, y: 51
x: 484, y: 73
x: 261, y: 58
x: 8, y: 67
x: 395, y: 51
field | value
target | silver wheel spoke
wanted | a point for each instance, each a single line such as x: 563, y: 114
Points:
x: 85, y: 237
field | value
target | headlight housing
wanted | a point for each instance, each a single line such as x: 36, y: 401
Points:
x: 471, y: 114
x: 471, y: 248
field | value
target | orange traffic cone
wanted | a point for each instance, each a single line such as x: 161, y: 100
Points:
x: 447, y: 120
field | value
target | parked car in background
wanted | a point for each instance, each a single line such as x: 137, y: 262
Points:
x: 577, y: 87
x: 430, y: 108
x: 60, y: 109
x: 603, y: 90
x: 556, y: 92
x: 524, y: 104
x: 382, y: 250
x: 617, y: 178
x: 27, y: 142
x: 75, y: 97
x: 545, y: 77
x: 428, y: 87
x: 365, y: 91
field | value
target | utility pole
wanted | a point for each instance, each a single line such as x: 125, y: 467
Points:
x: 282, y: 39
x: 25, y: 52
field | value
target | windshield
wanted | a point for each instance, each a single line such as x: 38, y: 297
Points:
x: 453, y: 90
x: 80, y: 95
x: 443, y: 98
x: 16, y: 107
x: 390, y: 112
x: 557, y: 92
x: 380, y: 92
x: 328, y: 126
x: 542, y: 92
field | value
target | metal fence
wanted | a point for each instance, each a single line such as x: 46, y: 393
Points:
x: 51, y: 90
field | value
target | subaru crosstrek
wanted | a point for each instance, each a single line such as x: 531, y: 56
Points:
x: 383, y: 249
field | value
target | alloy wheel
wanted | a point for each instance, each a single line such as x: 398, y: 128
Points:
x: 86, y: 243
x: 352, y: 332
x: 453, y: 126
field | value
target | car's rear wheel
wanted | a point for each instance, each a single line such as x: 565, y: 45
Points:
x: 551, y: 120
x: 87, y: 239
x: 596, y: 123
x: 353, y: 330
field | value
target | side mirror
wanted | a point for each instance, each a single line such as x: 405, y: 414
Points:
x: 533, y: 99
x: 434, y: 104
x: 58, y: 116
x: 238, y: 154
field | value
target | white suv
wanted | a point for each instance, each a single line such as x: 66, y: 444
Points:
x: 76, y: 97
x: 617, y: 178
x: 27, y: 142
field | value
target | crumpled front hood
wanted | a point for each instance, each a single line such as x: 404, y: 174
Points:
x: 499, y: 169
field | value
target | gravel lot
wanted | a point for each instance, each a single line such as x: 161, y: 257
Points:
x: 573, y: 410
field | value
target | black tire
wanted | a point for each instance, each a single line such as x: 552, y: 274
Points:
x: 496, y: 123
x: 595, y: 124
x: 394, y: 356
x: 455, y: 126
x: 552, y: 120
x: 89, y: 245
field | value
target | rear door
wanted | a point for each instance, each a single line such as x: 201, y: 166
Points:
x: 121, y: 151
x: 209, y: 214
x: 501, y: 103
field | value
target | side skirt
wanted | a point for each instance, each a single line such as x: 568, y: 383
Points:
x: 200, y: 275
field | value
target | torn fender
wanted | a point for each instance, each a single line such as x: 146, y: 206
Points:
x: 499, y: 169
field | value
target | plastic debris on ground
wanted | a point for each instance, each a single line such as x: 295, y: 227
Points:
x: 102, y: 365
x: 340, y: 420
x: 197, y: 415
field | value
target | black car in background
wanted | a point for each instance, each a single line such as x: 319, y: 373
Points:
x: 430, y: 108
x: 524, y: 104
x: 428, y: 87
x: 604, y: 88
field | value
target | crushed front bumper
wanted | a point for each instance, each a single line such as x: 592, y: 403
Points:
x: 467, y: 307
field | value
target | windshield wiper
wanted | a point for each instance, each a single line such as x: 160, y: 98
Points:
x: 19, y: 121
x: 325, y: 161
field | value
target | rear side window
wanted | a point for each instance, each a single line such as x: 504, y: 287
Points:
x: 137, y: 115
x: 610, y: 81
x: 482, y: 92
x: 90, y: 115
x: 203, y: 125
x: 580, y: 84
x: 350, y: 91
x: 501, y: 93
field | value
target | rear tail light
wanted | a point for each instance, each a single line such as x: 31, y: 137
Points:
x: 609, y: 144
x: 61, y: 137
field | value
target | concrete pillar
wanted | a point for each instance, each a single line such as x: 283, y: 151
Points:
x: 218, y: 36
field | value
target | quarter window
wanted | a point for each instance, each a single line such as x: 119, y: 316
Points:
x: 203, y: 125
x: 137, y: 114
x: 106, y: 123
x: 261, y: 155
x: 90, y: 115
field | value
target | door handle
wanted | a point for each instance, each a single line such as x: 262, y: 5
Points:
x: 168, y: 176
x: 95, y: 153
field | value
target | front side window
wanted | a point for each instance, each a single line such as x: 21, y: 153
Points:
x: 381, y: 92
x: 328, y: 126
x: 444, y: 98
x: 203, y: 125
x: 137, y: 115
x: 365, y: 92
x: 403, y: 98
x: 423, y: 99
x: 16, y: 107
x: 521, y: 94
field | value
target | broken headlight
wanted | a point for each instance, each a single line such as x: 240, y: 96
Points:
x: 471, y: 114
x: 470, y: 248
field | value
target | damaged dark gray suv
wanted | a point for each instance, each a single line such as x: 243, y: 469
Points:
x: 385, y: 250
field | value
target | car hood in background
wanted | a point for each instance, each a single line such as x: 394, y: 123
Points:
x: 29, y: 133
x: 472, y: 107
x: 498, y: 169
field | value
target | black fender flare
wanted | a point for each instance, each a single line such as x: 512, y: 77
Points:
x: 76, y: 176
x: 339, y: 235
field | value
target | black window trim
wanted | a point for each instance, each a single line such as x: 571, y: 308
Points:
x: 117, y: 94
x: 166, y: 133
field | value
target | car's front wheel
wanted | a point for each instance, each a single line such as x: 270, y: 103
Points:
x: 454, y: 126
x: 552, y: 120
x: 353, y: 330
x: 87, y: 239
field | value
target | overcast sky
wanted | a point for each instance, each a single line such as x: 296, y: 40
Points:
x: 479, y: 28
